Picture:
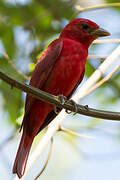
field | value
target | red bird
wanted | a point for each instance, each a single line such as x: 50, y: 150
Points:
x: 59, y: 70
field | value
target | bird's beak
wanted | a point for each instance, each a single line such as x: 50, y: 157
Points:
x: 100, y: 32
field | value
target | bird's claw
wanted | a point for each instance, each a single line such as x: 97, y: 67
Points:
x: 75, y: 107
x: 62, y: 100
x: 55, y: 110
x: 67, y: 111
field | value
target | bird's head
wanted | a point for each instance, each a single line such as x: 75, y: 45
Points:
x: 83, y: 31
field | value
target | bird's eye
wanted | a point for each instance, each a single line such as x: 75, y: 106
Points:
x: 85, y: 26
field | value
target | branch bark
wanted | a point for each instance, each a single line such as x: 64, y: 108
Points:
x: 55, y: 100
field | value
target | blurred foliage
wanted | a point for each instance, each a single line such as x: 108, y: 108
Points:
x: 25, y: 29
x: 116, y: 1
x: 41, y: 20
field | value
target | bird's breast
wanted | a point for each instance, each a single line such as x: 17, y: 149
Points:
x: 68, y: 68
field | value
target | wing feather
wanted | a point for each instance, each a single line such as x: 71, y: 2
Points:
x: 42, y: 70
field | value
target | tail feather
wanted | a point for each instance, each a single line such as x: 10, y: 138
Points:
x: 22, y: 155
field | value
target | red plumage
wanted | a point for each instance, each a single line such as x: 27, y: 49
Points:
x: 59, y: 70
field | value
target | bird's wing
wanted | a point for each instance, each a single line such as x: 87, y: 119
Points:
x: 42, y: 70
x: 79, y: 81
x: 52, y: 114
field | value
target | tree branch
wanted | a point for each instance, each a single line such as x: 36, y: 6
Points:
x: 48, y: 158
x: 94, y: 57
x: 55, y: 100
x: 83, y: 91
x: 105, y: 79
x: 99, y: 41
x: 73, y: 133
x: 82, y: 9
x: 14, y: 67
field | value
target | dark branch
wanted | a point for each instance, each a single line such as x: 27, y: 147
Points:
x: 108, y: 115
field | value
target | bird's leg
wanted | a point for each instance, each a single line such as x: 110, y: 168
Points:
x: 62, y: 100
x: 56, y: 110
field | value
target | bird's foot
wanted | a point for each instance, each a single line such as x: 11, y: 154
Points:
x: 75, y: 107
x: 56, y: 110
x: 62, y: 100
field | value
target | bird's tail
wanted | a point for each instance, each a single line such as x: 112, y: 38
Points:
x: 22, y: 155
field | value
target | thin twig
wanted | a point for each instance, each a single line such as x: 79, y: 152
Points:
x: 98, y: 74
x: 48, y: 158
x: 66, y: 130
x: 81, y: 9
x: 37, y: 93
x: 14, y: 67
x: 43, y: 15
x: 99, y: 41
x: 103, y: 80
x: 101, y: 58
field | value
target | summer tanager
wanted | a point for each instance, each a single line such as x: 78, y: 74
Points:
x: 59, y: 70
